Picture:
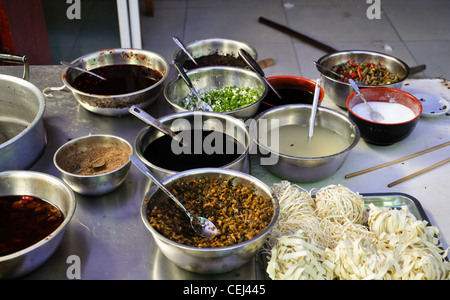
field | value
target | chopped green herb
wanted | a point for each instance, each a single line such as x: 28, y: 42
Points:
x: 223, y: 99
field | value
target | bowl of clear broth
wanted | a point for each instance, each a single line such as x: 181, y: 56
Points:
x: 132, y: 77
x: 210, y: 140
x: 280, y: 136
x: 292, y: 89
x: 35, y: 211
x: 400, y: 111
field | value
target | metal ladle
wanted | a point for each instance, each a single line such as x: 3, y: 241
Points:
x: 331, y: 73
x: 255, y: 67
x: 67, y: 64
x: 136, y: 111
x: 200, y: 225
x: 314, y: 108
x: 183, y: 47
x: 203, y: 105
x: 374, y: 115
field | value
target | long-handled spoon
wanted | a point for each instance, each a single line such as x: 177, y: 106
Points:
x: 136, y: 111
x: 200, y: 225
x: 183, y: 47
x: 374, y: 115
x: 330, y: 73
x: 203, y: 104
x: 255, y: 67
x: 67, y: 64
x: 314, y: 108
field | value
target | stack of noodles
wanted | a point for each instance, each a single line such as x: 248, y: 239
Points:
x: 333, y: 236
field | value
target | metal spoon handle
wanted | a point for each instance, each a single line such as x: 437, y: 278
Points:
x: 183, y: 47
x: 141, y: 166
x: 356, y: 88
x: 65, y: 63
x: 314, y: 108
x: 255, y: 67
x: 136, y: 111
x: 186, y: 79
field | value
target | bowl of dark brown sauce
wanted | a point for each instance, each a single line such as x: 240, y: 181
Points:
x: 35, y: 209
x: 211, y: 140
x: 292, y: 89
x: 214, y: 52
x: 132, y: 77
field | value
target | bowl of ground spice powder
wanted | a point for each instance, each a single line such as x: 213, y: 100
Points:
x: 94, y: 165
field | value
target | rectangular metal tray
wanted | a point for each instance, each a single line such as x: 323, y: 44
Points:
x: 391, y: 200
x: 396, y: 200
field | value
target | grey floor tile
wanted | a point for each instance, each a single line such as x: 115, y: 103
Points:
x: 339, y: 22
x: 234, y: 23
x: 283, y: 54
x: 418, y: 22
x: 159, y: 29
x: 435, y: 55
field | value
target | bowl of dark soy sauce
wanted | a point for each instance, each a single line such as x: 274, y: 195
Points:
x: 132, y: 77
x: 211, y: 140
x: 292, y: 89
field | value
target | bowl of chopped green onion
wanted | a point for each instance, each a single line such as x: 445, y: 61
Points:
x: 229, y: 90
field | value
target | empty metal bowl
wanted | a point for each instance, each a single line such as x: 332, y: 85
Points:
x: 184, y: 122
x: 384, y: 134
x: 338, y: 91
x: 22, y: 132
x: 112, y: 105
x: 301, y: 169
x: 45, y: 187
x: 209, y: 78
x: 210, y: 260
x: 220, y: 46
x: 93, y: 185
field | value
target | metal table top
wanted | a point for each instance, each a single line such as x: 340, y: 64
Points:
x: 109, y: 237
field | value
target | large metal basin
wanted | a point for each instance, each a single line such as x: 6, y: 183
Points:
x: 22, y: 133
x: 195, y: 120
x: 114, y: 105
x: 48, y: 188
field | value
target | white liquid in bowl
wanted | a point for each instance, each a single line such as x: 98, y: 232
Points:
x: 391, y: 112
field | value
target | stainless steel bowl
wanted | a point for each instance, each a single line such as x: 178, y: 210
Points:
x: 22, y: 132
x: 208, y: 78
x: 196, y: 120
x: 210, y: 260
x: 93, y: 185
x: 112, y: 105
x: 48, y: 188
x: 338, y: 91
x: 220, y: 46
x: 302, y: 169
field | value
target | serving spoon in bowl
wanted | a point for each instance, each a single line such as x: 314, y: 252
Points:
x: 200, y: 225
x: 374, y: 115
x: 203, y: 105
x: 67, y: 64
x: 183, y: 47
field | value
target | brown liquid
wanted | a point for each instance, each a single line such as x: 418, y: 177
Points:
x: 24, y: 221
x: 120, y: 79
x: 159, y: 152
x: 288, y: 95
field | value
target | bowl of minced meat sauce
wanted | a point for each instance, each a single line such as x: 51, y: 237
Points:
x: 242, y: 208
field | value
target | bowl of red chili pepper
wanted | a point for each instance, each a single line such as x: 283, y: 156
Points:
x: 367, y: 68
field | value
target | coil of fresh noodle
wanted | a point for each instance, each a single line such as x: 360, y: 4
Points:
x: 296, y: 211
x: 340, y: 204
x: 400, y: 222
x: 296, y: 257
x: 401, y: 254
